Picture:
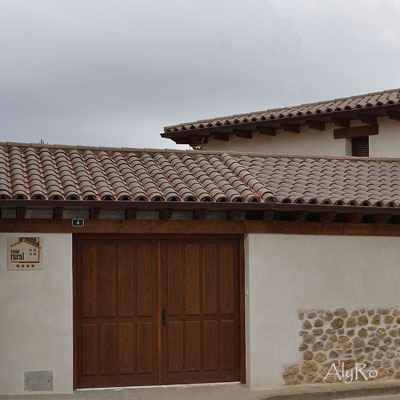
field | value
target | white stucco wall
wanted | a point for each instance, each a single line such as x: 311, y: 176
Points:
x: 36, y: 327
x: 315, y: 143
x: 289, y: 273
x: 387, y: 143
x: 284, y: 275
x: 308, y: 142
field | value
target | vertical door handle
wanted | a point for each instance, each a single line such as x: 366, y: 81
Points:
x: 163, y: 317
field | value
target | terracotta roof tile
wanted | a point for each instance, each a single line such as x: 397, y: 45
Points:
x: 369, y: 100
x: 77, y: 173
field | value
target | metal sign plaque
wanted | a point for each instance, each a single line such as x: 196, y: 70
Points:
x: 78, y: 222
x: 24, y: 253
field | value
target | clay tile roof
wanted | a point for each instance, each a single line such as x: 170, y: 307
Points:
x: 45, y: 172
x: 321, y: 108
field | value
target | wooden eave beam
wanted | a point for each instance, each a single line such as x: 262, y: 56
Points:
x: 166, y: 213
x: 130, y: 213
x: 243, y: 133
x: 295, y: 215
x: 314, y: 124
x: 94, y: 212
x: 291, y: 128
x: 322, y: 216
x: 368, y: 119
x: 377, y: 218
x: 350, y: 217
x: 265, y: 211
x: 392, y: 114
x: 234, y: 215
x: 343, y: 122
x: 395, y: 219
x: 266, y: 130
x: 224, y: 136
x: 368, y: 217
x: 196, y: 140
x: 135, y: 229
x: 356, y: 131
x: 268, y: 215
x: 58, y: 212
x: 20, y: 212
x: 178, y: 140
x: 200, y: 214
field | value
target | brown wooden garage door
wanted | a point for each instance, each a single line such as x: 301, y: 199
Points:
x: 156, y: 311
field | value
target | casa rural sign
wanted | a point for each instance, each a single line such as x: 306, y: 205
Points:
x: 24, y: 253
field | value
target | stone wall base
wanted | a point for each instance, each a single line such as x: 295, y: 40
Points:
x: 343, y: 346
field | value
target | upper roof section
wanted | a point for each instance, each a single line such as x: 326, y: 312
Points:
x: 43, y: 172
x: 315, y: 115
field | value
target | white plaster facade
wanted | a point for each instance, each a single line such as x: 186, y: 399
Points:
x: 313, y: 142
x: 286, y: 274
x: 36, y: 326
x: 387, y: 143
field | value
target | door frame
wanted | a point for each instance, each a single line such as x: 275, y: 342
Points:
x: 158, y: 237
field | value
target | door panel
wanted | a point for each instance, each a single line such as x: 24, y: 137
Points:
x: 210, y: 345
x: 227, y: 279
x: 89, y: 351
x: 107, y: 349
x: 107, y: 269
x: 126, y: 282
x: 144, y: 279
x: 227, y: 344
x: 116, y: 313
x: 145, y: 347
x: 210, y: 296
x: 200, y: 341
x: 88, y: 272
x: 173, y: 277
x: 193, y: 345
x: 175, y: 346
x: 126, y: 349
x: 192, y: 279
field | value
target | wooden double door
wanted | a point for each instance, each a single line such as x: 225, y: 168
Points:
x: 156, y: 311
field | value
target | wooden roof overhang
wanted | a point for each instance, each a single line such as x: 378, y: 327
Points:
x: 341, y: 119
x: 270, y: 211
x: 242, y: 218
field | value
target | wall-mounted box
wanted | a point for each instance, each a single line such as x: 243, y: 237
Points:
x: 38, y: 381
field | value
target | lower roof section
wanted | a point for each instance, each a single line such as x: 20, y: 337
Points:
x: 157, y: 179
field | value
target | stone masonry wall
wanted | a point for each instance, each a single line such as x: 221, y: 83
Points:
x: 365, y: 335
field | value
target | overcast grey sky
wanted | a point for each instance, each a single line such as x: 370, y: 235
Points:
x: 115, y: 72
